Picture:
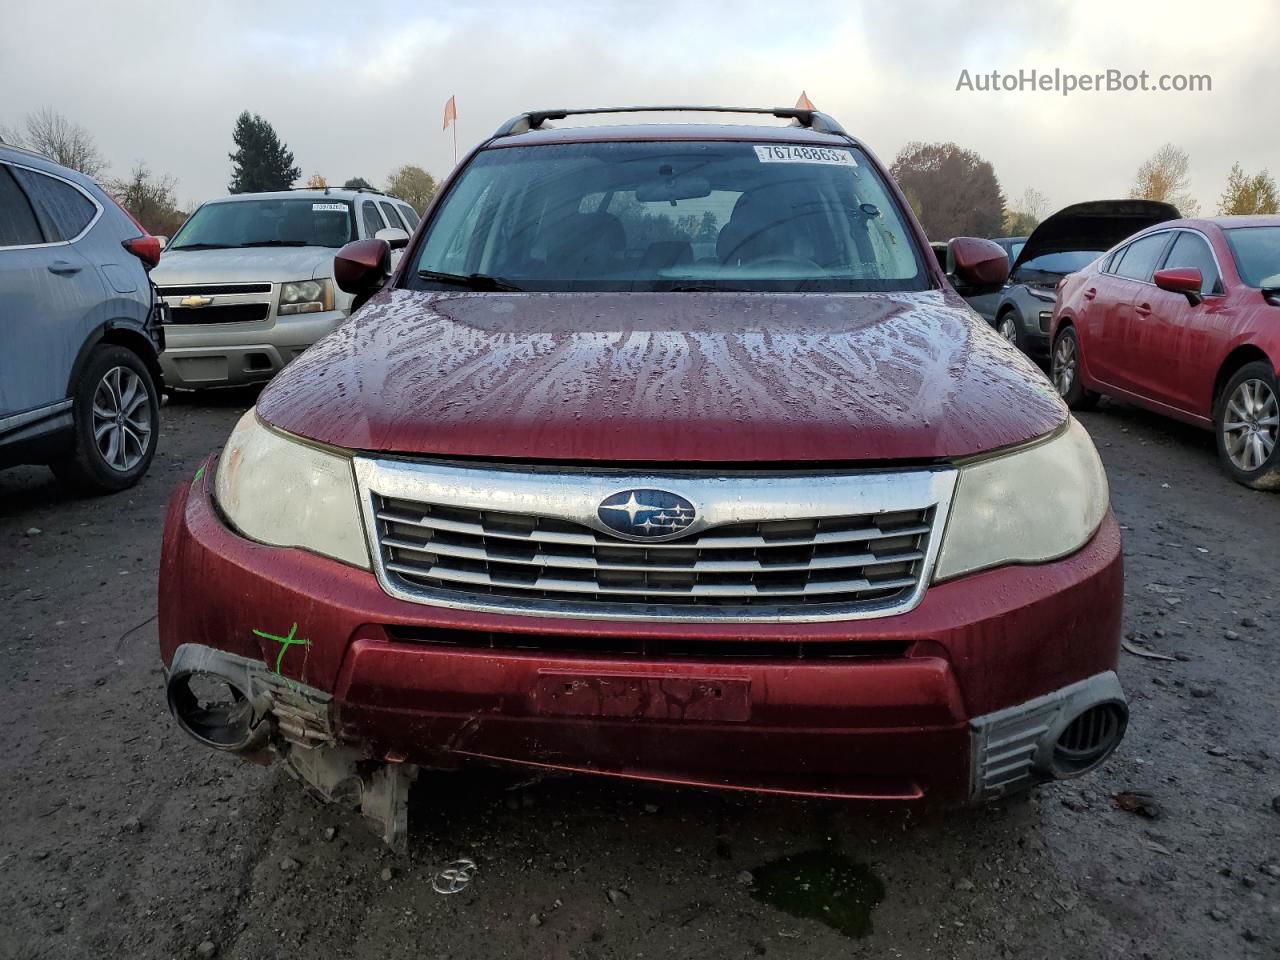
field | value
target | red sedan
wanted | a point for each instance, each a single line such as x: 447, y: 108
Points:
x: 1183, y: 319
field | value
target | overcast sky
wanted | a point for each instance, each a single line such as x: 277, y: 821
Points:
x: 359, y: 89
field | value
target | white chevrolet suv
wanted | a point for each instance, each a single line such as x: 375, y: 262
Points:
x: 249, y: 279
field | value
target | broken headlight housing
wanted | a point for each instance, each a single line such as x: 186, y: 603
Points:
x: 279, y: 490
x: 1031, y: 505
x: 306, y: 296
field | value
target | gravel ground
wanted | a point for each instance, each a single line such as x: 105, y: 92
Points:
x: 122, y: 838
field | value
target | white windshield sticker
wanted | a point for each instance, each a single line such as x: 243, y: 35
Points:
x: 791, y: 153
x: 340, y: 207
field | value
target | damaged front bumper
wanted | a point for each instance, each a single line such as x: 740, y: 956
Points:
x: 261, y: 713
x: 963, y: 698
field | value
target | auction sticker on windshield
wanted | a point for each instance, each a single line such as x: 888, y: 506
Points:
x: 339, y: 207
x: 791, y: 153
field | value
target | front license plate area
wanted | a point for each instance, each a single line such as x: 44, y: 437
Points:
x: 644, y: 697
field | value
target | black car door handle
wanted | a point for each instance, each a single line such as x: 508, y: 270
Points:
x: 64, y: 268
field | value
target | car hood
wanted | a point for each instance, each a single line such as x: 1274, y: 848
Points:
x: 1094, y: 225
x: 664, y: 378
x: 276, y: 264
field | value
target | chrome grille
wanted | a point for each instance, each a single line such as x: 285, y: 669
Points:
x: 764, y: 547
x: 793, y: 561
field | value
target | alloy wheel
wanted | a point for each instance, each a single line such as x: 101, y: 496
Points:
x: 1008, y: 330
x: 1251, y: 424
x: 1064, y: 365
x: 122, y: 419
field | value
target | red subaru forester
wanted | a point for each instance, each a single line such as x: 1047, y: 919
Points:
x: 667, y: 452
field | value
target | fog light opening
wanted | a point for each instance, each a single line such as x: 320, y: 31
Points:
x: 1089, y: 739
x: 213, y: 710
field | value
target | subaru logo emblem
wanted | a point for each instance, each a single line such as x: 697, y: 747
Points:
x: 646, y: 514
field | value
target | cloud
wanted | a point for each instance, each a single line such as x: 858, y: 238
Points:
x: 358, y: 95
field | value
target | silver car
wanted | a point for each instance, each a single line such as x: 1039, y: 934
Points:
x: 249, y: 279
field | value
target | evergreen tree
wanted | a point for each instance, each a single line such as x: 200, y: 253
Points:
x: 357, y: 183
x: 261, y: 161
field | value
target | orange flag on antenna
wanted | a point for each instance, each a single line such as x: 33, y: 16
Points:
x: 450, y: 113
x: 804, y: 103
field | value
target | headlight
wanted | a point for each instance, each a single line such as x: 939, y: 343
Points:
x: 306, y: 296
x: 288, y: 494
x: 1029, y: 506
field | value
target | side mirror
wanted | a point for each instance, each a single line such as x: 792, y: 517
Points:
x: 362, y: 267
x: 976, y: 266
x: 396, y: 238
x: 1184, y: 280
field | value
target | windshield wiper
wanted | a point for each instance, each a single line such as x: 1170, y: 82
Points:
x: 474, y: 281
x: 203, y: 246
x: 275, y: 243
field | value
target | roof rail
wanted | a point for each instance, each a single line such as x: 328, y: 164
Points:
x: 532, y: 120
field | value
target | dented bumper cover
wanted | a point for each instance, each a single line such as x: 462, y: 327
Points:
x: 896, y: 708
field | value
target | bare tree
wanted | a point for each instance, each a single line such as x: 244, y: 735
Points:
x: 1246, y: 194
x: 151, y: 199
x: 1024, y: 214
x: 48, y: 132
x: 1163, y: 176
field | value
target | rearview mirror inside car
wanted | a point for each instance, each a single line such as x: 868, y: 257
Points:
x: 362, y: 267
x: 1184, y: 280
x: 396, y: 238
x: 976, y: 266
x: 672, y: 189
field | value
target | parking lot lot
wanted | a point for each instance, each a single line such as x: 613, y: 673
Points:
x: 122, y: 838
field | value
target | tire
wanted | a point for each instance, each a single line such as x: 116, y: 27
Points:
x: 1246, y: 423
x: 1008, y: 327
x: 117, y: 423
x: 1064, y: 370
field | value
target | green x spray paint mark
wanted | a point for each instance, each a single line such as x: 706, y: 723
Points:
x: 285, y: 642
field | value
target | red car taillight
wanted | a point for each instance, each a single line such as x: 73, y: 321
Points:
x: 146, y: 248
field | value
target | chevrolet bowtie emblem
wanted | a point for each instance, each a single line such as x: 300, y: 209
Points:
x: 196, y: 301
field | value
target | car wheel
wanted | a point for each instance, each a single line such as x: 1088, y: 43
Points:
x: 1007, y: 327
x: 1247, y: 424
x: 117, y: 423
x: 1066, y: 372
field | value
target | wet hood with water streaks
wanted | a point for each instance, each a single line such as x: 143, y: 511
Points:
x: 676, y: 378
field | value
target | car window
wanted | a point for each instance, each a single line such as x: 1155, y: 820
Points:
x: 663, y: 215
x: 389, y: 211
x: 18, y: 225
x: 409, y: 214
x: 1061, y: 262
x: 1138, y: 260
x: 269, y: 222
x: 1015, y: 249
x: 63, y: 210
x: 372, y: 219
x: 1257, y: 253
x: 1191, y: 251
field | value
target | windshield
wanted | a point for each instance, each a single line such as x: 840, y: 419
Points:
x: 1257, y: 253
x: 1063, y: 262
x: 302, y: 222
x: 672, y: 216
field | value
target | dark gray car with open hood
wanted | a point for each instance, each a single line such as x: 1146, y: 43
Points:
x: 1063, y: 243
